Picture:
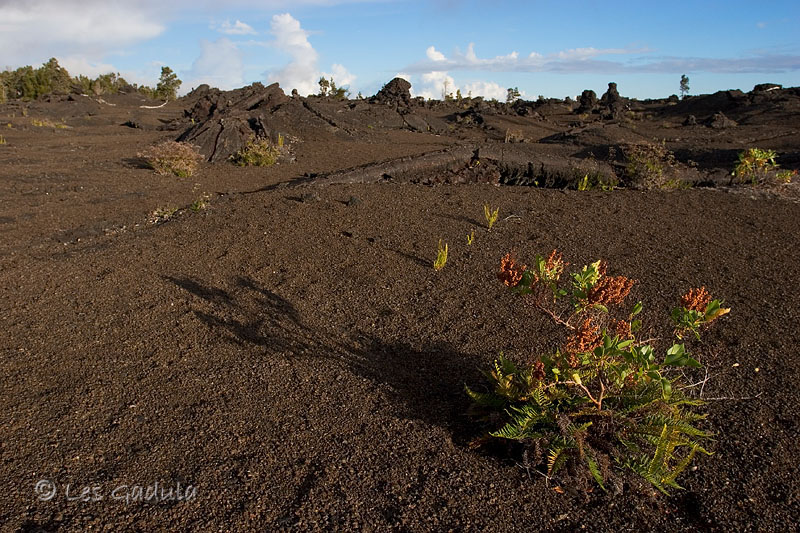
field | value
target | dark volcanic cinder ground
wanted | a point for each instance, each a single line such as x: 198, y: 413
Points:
x: 290, y: 352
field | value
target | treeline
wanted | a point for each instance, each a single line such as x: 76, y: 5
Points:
x: 28, y: 83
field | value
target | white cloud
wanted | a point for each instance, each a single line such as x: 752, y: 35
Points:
x: 435, y: 84
x: 237, y: 28
x: 573, y: 59
x: 31, y: 32
x: 487, y: 89
x: 340, y: 75
x: 302, y: 72
x: 434, y: 55
x: 80, y: 65
x: 219, y: 65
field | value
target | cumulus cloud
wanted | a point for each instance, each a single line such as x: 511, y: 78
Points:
x: 437, y: 84
x: 340, y: 75
x: 302, y: 71
x: 487, y: 89
x: 434, y: 55
x: 30, y: 32
x: 237, y: 28
x: 80, y: 65
x: 219, y: 64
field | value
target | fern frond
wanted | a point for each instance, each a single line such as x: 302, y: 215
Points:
x: 526, y: 423
x: 556, y: 457
x: 664, y: 448
x: 595, y: 470
x: 486, y: 399
x: 680, y: 467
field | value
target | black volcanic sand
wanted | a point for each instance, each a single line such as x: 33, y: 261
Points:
x: 290, y: 352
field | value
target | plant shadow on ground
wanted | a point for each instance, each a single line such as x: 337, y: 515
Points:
x: 461, y: 218
x: 427, y: 379
x: 136, y: 162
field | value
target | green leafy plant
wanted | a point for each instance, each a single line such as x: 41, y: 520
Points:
x: 785, y: 176
x: 441, y: 257
x: 591, y: 182
x: 604, y: 403
x: 471, y: 238
x: 170, y: 157
x: 697, y: 310
x: 258, y: 153
x: 756, y: 166
x: 491, y: 216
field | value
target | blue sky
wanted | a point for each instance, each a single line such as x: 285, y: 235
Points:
x: 479, y: 47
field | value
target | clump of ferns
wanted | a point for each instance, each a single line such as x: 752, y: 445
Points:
x: 604, y: 403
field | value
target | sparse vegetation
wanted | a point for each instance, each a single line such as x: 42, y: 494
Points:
x: 648, y: 165
x: 45, y: 123
x: 514, y: 136
x: 200, y: 204
x: 162, y: 214
x: 512, y: 95
x: 258, y: 153
x: 171, y: 157
x: 441, y: 257
x: 603, y: 404
x: 593, y: 181
x: 2, y: 140
x: 327, y: 87
x: 490, y: 216
x: 471, y: 238
x: 759, y: 166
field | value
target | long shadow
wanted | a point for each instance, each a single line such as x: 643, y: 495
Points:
x: 426, y: 382
x: 251, y: 315
x: 459, y: 218
x: 416, y: 259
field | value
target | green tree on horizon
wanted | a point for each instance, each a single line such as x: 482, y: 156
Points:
x: 168, y: 84
x: 684, y: 85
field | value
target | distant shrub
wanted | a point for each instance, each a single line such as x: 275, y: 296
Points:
x: 604, y: 403
x: 45, y: 123
x: 258, y: 153
x: 648, y: 165
x: 170, y: 157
